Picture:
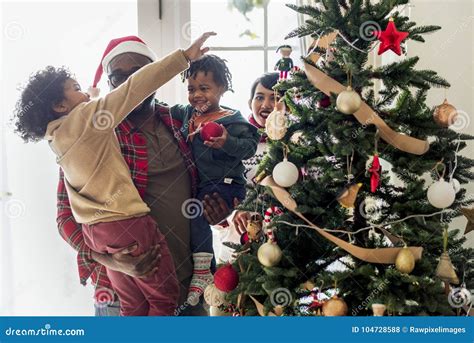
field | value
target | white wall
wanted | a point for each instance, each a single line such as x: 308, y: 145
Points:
x: 40, y: 276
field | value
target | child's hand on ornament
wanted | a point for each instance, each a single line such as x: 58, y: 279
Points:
x: 240, y: 221
x: 217, y: 142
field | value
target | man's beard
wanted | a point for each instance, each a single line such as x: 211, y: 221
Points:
x: 142, y: 109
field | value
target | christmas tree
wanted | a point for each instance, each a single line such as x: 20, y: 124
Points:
x: 358, y: 185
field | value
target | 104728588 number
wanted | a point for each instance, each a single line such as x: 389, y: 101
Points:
x: 376, y: 329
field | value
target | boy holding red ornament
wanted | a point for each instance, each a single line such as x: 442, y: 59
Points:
x: 220, y: 138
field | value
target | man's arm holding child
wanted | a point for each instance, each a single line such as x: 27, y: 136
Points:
x: 122, y: 261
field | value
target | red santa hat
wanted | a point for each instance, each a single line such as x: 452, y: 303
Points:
x: 116, y: 47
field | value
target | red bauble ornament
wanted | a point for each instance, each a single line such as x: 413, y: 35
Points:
x: 226, y: 278
x: 325, y: 102
x: 210, y: 130
x: 390, y: 38
x: 244, y: 238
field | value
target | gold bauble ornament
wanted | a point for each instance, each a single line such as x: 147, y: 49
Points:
x: 405, y: 261
x: 278, y: 310
x: 254, y: 228
x: 348, y: 195
x: 335, y: 307
x: 276, y: 125
x: 214, y: 296
x: 348, y: 101
x: 269, y: 254
x: 445, y: 269
x: 445, y: 114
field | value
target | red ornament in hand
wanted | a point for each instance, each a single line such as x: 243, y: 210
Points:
x: 226, y: 278
x: 211, y: 129
x: 244, y: 238
x: 390, y: 38
x: 375, y: 170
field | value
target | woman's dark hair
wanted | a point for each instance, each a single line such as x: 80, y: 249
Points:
x: 214, y: 64
x: 268, y: 80
x: 33, y: 111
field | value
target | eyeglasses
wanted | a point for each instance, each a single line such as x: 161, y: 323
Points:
x: 116, y: 79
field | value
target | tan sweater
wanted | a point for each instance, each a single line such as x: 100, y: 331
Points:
x: 97, y: 178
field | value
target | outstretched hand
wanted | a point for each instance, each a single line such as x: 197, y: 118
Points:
x: 215, y: 208
x: 195, y: 50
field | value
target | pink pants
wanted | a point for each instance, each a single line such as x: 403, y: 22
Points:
x: 283, y: 75
x: 156, y: 295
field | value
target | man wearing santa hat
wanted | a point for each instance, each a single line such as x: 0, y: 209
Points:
x: 164, y: 173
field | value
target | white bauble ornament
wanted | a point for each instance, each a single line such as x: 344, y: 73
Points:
x: 276, y: 125
x: 456, y: 185
x: 269, y: 254
x: 441, y: 194
x: 348, y: 101
x: 214, y: 311
x: 296, y: 137
x: 285, y: 173
x: 214, y: 296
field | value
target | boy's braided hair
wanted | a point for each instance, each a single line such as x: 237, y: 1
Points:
x: 211, y: 63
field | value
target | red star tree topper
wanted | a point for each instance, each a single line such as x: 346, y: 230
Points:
x: 390, y: 38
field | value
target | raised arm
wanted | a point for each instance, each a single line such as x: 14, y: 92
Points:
x: 139, y: 86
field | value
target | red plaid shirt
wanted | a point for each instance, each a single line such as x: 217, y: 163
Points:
x: 133, y: 145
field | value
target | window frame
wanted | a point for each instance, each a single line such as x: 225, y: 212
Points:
x: 160, y: 24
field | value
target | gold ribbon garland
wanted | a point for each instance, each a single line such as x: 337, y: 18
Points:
x: 365, y: 115
x: 377, y: 255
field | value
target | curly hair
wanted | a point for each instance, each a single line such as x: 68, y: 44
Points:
x: 33, y: 111
x: 211, y: 63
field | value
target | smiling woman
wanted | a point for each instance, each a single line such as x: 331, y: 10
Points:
x: 38, y: 271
